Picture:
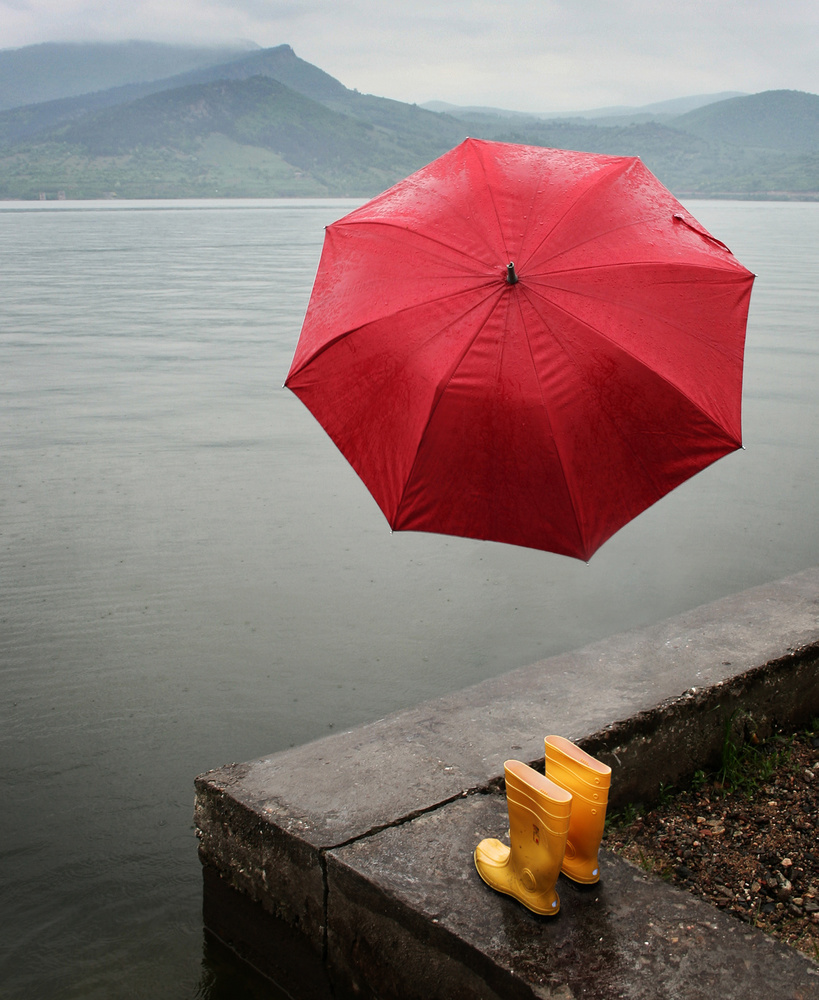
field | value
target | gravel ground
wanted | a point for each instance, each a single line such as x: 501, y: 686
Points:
x: 746, y: 839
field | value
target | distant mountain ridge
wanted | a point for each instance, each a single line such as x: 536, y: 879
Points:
x: 674, y: 106
x: 758, y: 121
x: 279, y: 63
x: 55, y: 70
x: 265, y: 123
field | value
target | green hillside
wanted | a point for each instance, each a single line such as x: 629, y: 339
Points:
x: 256, y: 112
x: 268, y: 124
x: 281, y: 63
x: 785, y: 121
x: 423, y: 131
x: 251, y: 137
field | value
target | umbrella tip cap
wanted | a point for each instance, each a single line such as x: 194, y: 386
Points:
x: 511, y: 274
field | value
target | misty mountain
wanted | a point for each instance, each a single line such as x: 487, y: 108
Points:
x: 279, y: 63
x: 268, y: 124
x: 56, y: 70
x: 258, y: 111
x: 775, y: 121
x: 673, y: 106
x: 262, y: 113
x: 625, y: 113
x: 782, y: 120
x: 242, y: 137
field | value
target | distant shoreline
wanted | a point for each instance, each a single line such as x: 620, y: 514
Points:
x: 744, y: 196
x: 781, y: 196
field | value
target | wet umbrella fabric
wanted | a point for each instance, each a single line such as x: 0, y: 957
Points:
x: 544, y: 404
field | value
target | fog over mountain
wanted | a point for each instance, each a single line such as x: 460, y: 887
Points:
x: 55, y: 70
x: 528, y: 56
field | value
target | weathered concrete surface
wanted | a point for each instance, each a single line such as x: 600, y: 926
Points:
x: 410, y: 918
x: 652, y: 702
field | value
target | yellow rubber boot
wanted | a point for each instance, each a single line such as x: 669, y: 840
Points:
x: 538, y: 824
x: 588, y: 781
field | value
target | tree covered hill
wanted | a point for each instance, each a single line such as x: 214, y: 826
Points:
x: 268, y: 124
x: 783, y: 120
x: 281, y: 63
x: 342, y: 153
x: 413, y: 129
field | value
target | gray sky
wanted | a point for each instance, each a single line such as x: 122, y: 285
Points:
x: 529, y: 55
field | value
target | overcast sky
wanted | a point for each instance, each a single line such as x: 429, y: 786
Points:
x: 529, y: 55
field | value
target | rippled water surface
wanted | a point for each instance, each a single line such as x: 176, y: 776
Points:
x: 191, y: 574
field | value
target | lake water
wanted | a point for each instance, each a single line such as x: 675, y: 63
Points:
x: 191, y: 574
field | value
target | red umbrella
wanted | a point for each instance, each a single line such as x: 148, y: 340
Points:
x: 526, y: 345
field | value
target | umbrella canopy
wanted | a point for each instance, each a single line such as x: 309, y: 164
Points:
x: 526, y: 345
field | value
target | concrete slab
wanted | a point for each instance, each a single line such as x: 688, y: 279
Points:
x: 652, y: 702
x: 409, y: 898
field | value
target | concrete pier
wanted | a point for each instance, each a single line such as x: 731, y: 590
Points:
x: 344, y: 867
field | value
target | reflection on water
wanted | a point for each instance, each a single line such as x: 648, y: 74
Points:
x: 192, y: 575
x: 223, y: 978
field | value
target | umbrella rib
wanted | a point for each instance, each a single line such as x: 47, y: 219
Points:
x: 491, y: 284
x: 646, y: 470
x: 545, y: 405
x: 712, y: 265
x: 620, y: 347
x: 613, y: 265
x: 620, y: 166
x: 403, y: 229
x: 659, y: 214
x: 444, y: 382
x: 490, y: 190
x: 532, y: 287
x: 591, y: 239
x: 532, y: 215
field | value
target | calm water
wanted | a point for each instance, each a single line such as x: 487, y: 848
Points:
x: 192, y: 575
